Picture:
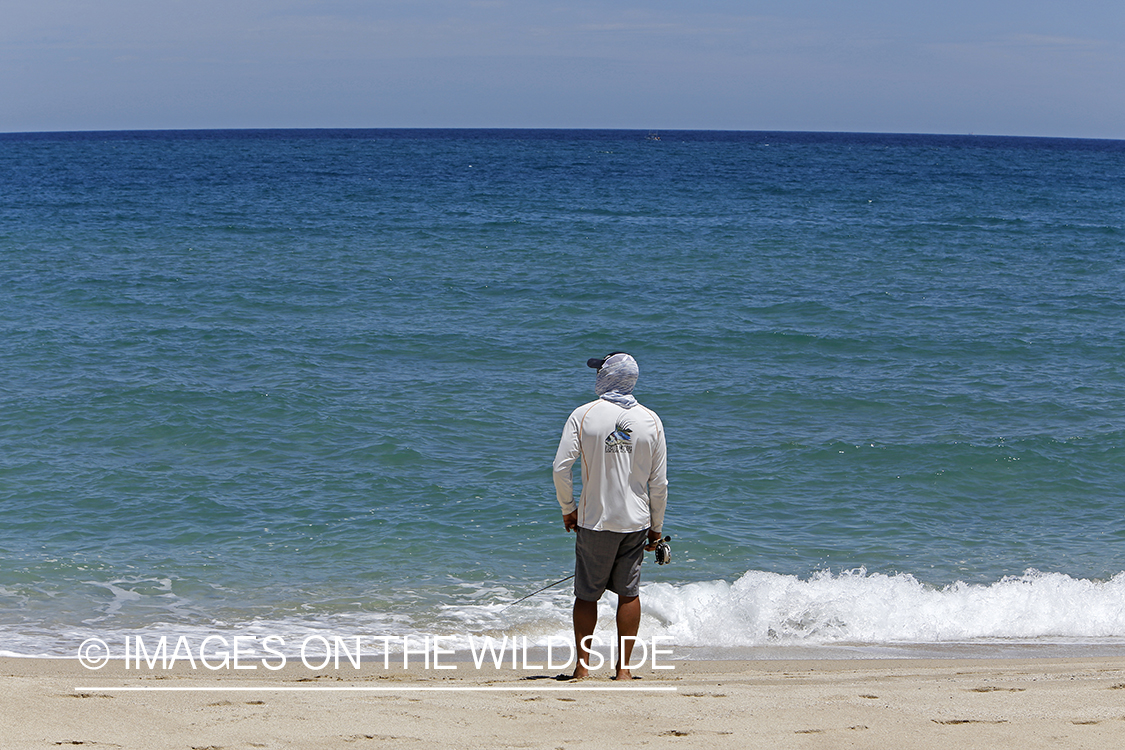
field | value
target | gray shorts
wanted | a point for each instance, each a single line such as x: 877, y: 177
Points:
x: 608, y: 560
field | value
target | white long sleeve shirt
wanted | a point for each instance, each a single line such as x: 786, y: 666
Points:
x: 624, y: 467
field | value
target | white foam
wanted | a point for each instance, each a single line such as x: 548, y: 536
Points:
x: 851, y: 613
x: 768, y: 609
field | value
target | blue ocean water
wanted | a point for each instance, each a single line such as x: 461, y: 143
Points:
x: 312, y: 381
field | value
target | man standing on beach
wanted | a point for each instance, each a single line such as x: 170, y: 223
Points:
x: 620, y: 512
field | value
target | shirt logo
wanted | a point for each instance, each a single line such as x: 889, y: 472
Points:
x: 621, y: 439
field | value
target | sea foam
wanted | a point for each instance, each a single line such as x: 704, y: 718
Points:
x: 769, y: 609
x: 761, y: 614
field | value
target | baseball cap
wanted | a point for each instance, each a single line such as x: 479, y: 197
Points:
x: 597, y: 362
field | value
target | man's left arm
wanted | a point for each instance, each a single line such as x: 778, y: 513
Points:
x: 568, y: 452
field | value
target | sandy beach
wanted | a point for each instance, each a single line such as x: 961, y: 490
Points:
x: 1017, y: 703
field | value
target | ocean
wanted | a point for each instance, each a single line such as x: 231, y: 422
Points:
x: 312, y: 382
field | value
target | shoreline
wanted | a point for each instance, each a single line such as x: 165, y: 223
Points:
x: 902, y: 703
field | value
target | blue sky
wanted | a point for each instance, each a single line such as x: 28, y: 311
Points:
x: 990, y: 66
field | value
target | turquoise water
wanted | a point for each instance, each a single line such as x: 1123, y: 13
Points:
x: 313, y: 381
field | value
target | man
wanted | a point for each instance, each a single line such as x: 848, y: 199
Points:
x: 621, y: 509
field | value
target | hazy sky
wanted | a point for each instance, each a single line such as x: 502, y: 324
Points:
x: 1017, y: 67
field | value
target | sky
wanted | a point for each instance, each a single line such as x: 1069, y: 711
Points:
x: 1000, y: 67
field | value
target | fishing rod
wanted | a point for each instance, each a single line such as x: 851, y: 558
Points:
x: 533, y: 593
x: 663, y: 557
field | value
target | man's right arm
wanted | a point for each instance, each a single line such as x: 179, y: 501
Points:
x: 658, y: 483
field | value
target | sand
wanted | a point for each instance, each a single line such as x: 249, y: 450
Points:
x: 887, y: 704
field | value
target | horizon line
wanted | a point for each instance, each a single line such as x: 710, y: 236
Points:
x: 544, y: 129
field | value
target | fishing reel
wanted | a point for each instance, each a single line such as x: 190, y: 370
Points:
x: 663, y: 551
